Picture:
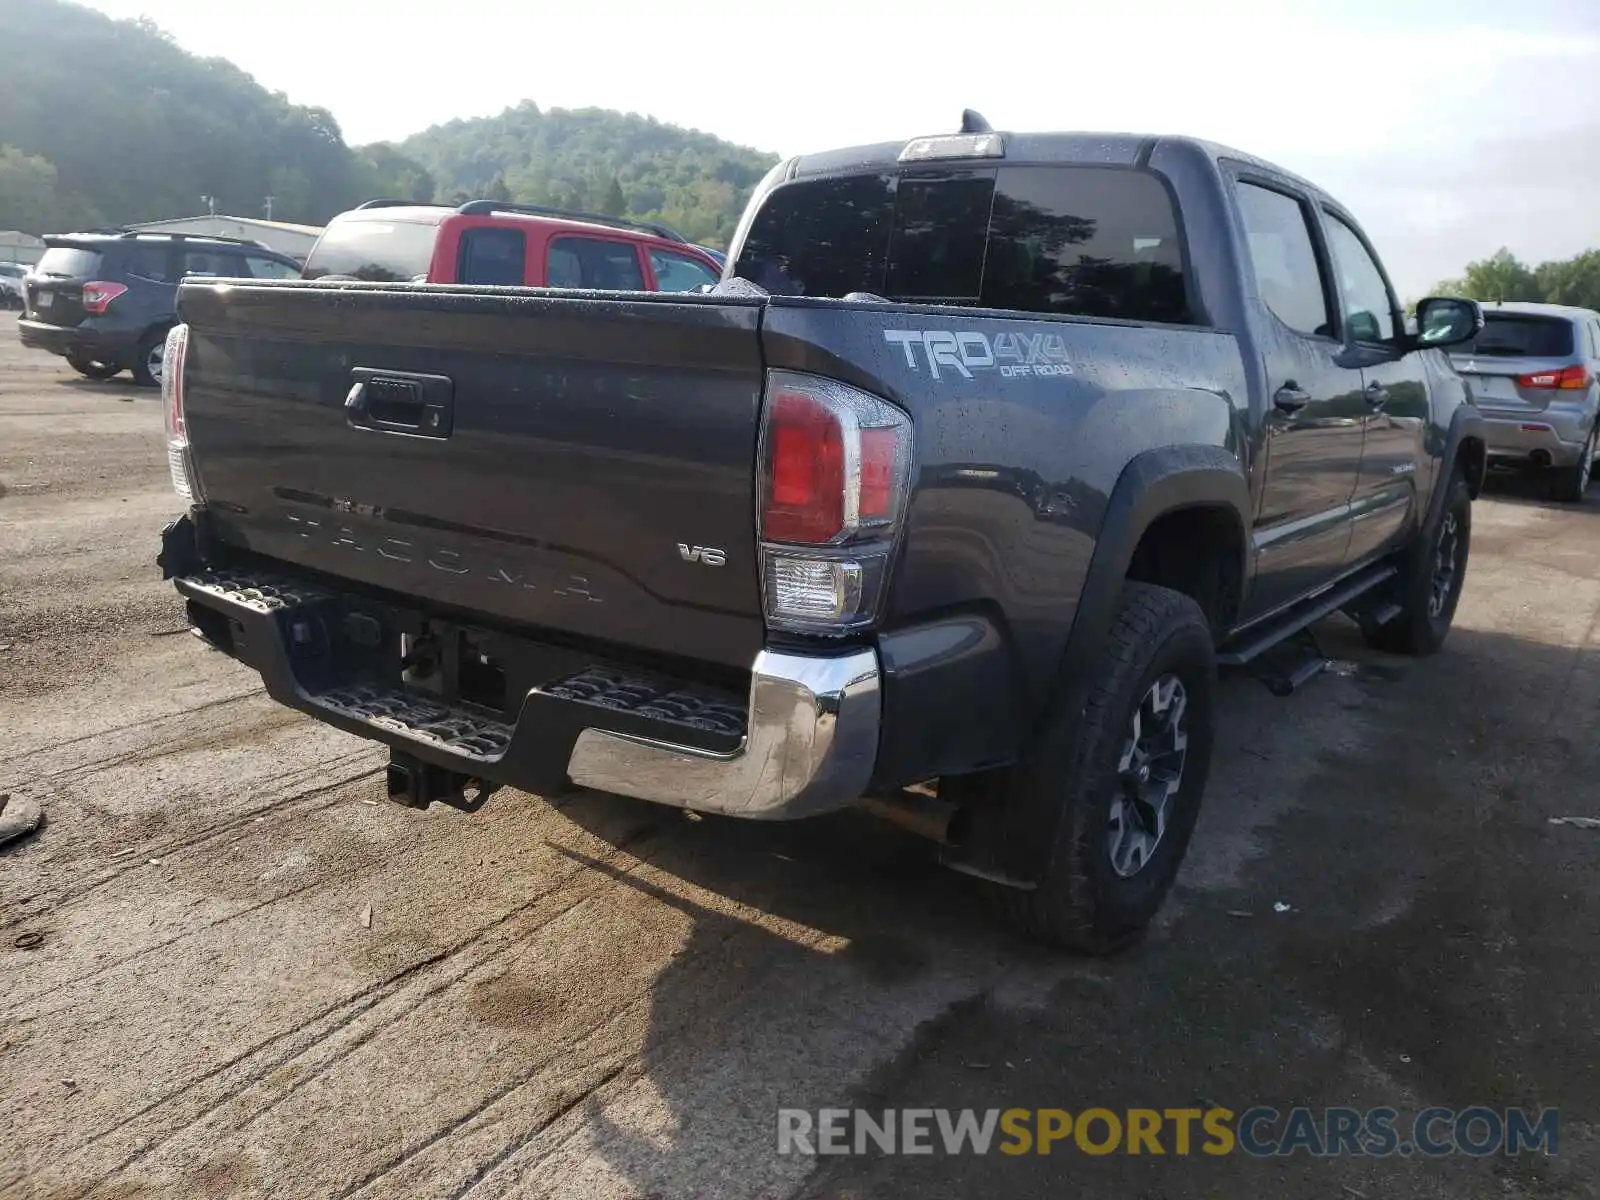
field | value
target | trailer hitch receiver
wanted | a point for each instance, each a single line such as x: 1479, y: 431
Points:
x: 417, y: 784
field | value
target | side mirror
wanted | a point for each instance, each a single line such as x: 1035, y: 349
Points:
x: 1447, y: 321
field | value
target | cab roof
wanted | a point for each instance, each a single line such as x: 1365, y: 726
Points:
x: 1082, y: 148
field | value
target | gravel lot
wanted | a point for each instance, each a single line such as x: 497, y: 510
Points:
x: 602, y: 998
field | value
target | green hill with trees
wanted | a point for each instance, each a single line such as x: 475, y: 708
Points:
x: 110, y: 122
x: 594, y: 159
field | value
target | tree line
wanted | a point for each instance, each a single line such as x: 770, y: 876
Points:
x: 106, y: 122
x: 1503, y: 276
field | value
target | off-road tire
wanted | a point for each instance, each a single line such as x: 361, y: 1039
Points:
x: 90, y: 369
x: 1569, y: 485
x: 1080, y: 902
x: 1419, y: 629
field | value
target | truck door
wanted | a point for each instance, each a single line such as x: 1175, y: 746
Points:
x: 1395, y: 394
x: 1313, y: 422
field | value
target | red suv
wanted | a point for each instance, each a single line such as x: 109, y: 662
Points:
x: 520, y: 245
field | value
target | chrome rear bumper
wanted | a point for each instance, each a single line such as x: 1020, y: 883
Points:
x: 809, y: 747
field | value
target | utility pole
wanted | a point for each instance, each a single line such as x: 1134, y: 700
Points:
x: 270, y: 199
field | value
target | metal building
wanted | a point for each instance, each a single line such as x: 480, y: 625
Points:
x: 20, y: 247
x: 293, y: 240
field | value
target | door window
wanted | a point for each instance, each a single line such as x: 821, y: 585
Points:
x: 213, y: 263
x: 270, y: 268
x: 679, y: 272
x: 1368, y: 307
x: 151, y: 260
x: 495, y: 256
x: 594, y: 263
x: 1284, y: 259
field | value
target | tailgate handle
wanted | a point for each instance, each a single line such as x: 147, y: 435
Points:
x: 400, y: 402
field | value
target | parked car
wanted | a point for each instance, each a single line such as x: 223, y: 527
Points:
x: 716, y: 256
x: 1535, y: 373
x: 11, y: 274
x: 515, y: 245
x: 105, y: 301
x: 952, y: 496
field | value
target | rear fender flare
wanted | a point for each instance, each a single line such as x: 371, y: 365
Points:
x: 1152, y: 485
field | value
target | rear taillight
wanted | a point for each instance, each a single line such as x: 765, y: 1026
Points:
x: 836, y: 467
x: 1573, y: 378
x: 183, y: 480
x: 98, y: 295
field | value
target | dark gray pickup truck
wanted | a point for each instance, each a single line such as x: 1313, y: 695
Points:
x: 951, y: 498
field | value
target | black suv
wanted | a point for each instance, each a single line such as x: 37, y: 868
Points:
x: 104, y: 301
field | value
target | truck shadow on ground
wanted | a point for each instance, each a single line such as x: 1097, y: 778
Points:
x: 118, y: 388
x: 1434, y: 952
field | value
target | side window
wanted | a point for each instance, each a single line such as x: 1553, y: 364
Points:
x: 270, y: 268
x: 151, y: 261
x: 1284, y: 259
x: 1368, y: 311
x: 212, y: 262
x: 494, y: 256
x: 679, y: 272
x: 577, y: 262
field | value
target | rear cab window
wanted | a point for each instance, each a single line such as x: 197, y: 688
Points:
x: 1520, y: 335
x: 1071, y: 240
x: 598, y: 263
x: 374, y: 250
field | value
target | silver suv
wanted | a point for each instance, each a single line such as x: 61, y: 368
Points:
x: 1535, y: 374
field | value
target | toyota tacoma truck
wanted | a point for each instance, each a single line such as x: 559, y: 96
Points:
x: 950, y: 498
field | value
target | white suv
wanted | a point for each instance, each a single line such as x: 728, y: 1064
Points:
x: 11, y: 274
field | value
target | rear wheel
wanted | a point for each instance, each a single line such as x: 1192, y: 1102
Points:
x: 91, y: 368
x: 147, y: 360
x: 1118, y: 786
x: 1569, y: 484
x: 1431, y: 580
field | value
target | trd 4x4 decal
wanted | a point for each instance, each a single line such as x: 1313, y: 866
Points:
x: 1012, y: 354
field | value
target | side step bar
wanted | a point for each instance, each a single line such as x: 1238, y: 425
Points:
x: 1256, y: 642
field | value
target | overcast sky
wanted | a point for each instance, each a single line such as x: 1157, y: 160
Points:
x: 1449, y: 128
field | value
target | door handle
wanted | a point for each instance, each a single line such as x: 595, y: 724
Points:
x: 400, y: 402
x: 1291, y: 397
x: 1377, y: 395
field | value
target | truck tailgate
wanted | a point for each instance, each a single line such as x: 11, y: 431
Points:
x: 557, y: 461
